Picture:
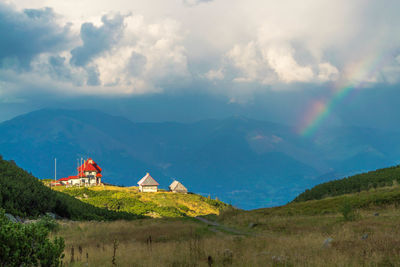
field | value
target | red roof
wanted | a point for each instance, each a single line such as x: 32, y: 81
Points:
x: 68, y: 178
x: 90, y: 168
x: 89, y: 165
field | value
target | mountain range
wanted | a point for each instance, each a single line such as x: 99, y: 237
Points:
x: 244, y: 162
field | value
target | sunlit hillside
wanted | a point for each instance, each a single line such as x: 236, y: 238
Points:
x: 158, y: 204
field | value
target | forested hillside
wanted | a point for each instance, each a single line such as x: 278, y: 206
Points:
x: 352, y: 184
x: 24, y: 195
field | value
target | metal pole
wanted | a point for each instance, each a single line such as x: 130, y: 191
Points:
x: 55, y: 169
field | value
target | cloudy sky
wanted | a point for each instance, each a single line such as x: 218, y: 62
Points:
x: 269, y: 60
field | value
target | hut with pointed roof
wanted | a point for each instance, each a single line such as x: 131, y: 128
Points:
x: 148, y: 184
x: 177, y: 187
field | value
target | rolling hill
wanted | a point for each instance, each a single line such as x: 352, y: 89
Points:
x: 353, y: 184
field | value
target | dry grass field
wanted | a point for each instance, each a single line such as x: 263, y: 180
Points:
x: 266, y: 240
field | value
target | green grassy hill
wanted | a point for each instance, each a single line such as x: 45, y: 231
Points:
x: 353, y: 184
x: 22, y: 194
x: 159, y: 204
x: 374, y: 198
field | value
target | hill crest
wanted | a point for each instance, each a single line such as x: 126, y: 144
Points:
x: 153, y: 204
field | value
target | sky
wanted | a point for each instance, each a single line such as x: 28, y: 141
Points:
x: 303, y: 63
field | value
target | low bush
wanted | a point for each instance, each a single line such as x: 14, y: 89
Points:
x: 348, y: 211
x: 49, y: 223
x: 28, y: 244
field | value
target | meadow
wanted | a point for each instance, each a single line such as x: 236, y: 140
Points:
x: 359, y: 229
x: 370, y: 239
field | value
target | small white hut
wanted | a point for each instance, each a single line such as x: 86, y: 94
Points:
x: 148, y: 184
x: 177, y: 187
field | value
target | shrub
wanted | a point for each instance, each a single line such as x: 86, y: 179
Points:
x: 28, y: 245
x: 347, y: 211
x: 49, y: 223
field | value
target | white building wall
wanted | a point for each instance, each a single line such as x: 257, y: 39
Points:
x: 92, y: 181
x: 75, y: 181
x: 148, y: 188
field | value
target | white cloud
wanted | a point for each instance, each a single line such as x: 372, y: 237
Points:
x: 260, y: 43
x: 215, y: 74
x: 280, y: 59
x: 269, y: 63
x: 144, y: 58
x: 247, y: 61
x: 194, y: 2
x: 327, y: 72
x: 155, y: 50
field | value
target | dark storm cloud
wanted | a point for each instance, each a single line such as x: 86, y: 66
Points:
x: 27, y: 34
x: 97, y: 39
x: 58, y: 69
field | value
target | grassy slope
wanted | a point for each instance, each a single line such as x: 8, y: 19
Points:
x: 290, y: 235
x: 353, y: 184
x: 160, y: 204
x: 277, y: 239
x: 365, y: 199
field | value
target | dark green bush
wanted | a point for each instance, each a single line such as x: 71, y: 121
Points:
x: 28, y: 244
x: 347, y: 211
x: 48, y: 223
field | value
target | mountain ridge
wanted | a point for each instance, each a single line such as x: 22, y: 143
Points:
x: 216, y: 157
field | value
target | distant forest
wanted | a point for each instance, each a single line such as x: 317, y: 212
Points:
x: 352, y: 184
x: 21, y: 194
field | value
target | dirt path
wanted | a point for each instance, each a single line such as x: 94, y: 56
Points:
x: 216, y: 227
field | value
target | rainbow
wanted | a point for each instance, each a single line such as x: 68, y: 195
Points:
x: 320, y: 109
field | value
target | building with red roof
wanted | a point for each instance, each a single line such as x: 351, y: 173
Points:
x: 89, y: 173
